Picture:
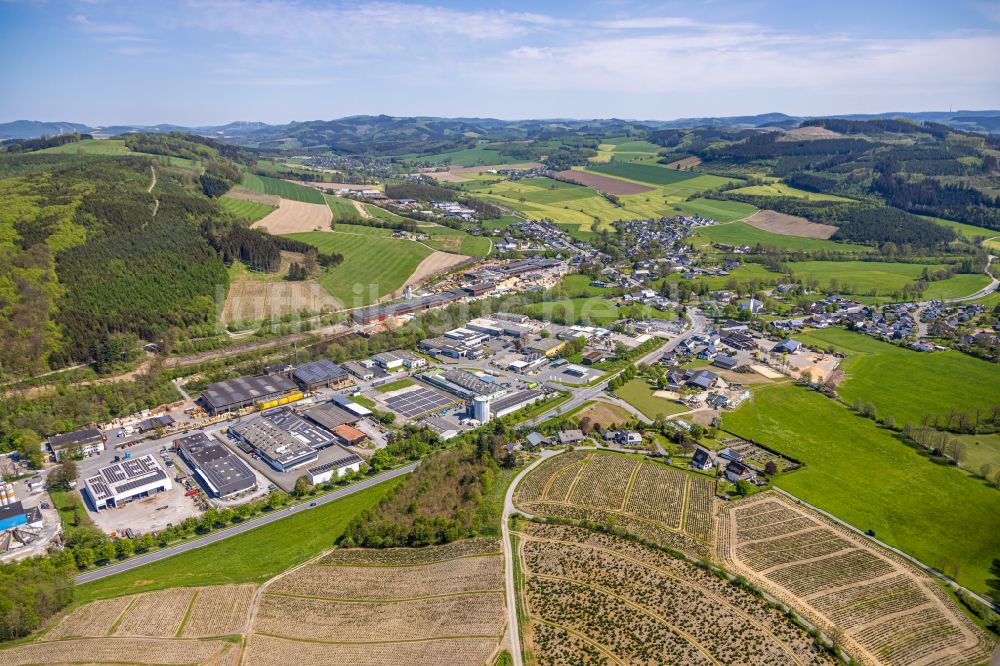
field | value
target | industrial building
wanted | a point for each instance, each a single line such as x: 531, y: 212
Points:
x: 464, y: 384
x: 515, y: 401
x: 278, y: 447
x: 319, y: 374
x: 12, y: 515
x: 346, y: 403
x: 329, y: 415
x: 338, y: 466
x: 125, y: 481
x: 220, y: 471
x: 87, y: 441
x: 359, y: 371
x: 349, y: 435
x: 234, y: 394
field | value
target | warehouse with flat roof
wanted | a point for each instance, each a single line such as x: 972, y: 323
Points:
x: 233, y: 394
x: 125, y: 481
x: 87, y: 441
x: 338, y: 466
x: 220, y: 471
x: 274, y: 444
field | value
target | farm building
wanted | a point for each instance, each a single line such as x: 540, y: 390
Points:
x: 274, y: 444
x: 220, y: 471
x: 786, y: 346
x: 349, y: 435
x: 87, y: 441
x: 725, y: 362
x: 703, y: 379
x: 338, y: 466
x: 125, y: 481
x: 233, y: 394
x: 319, y: 374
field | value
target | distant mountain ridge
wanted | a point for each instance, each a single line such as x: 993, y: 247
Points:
x: 412, y: 128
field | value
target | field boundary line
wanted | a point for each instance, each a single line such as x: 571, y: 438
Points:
x: 576, y: 479
x: 403, y: 566
x: 187, y: 613
x: 470, y: 593
x: 114, y: 626
x: 641, y: 609
x: 667, y: 574
x: 933, y: 572
x: 586, y: 639
x: 628, y: 486
x: 470, y: 637
x: 684, y: 506
x: 548, y: 484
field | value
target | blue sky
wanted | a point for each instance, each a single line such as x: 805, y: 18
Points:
x: 212, y: 61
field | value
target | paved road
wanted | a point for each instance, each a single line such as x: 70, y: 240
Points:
x: 580, y: 396
x: 238, y: 529
x: 513, y: 630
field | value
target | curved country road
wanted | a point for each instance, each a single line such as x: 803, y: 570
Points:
x: 214, y: 537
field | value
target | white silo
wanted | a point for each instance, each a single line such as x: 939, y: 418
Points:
x: 481, y: 408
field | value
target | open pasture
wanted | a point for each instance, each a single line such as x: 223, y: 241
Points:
x: 373, y: 266
x: 784, y: 190
x: 885, y: 374
x: 456, y: 241
x: 638, y: 393
x: 877, y: 278
x: 282, y: 188
x: 89, y: 147
x: 637, y: 605
x: 887, y: 611
x: 866, y: 476
x: 250, y: 211
x: 743, y: 233
x: 609, y: 487
x: 651, y: 174
x: 790, y: 225
x: 720, y: 211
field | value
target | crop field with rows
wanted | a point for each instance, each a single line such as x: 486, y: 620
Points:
x: 440, y: 604
x: 596, y: 596
x: 272, y: 651
x: 650, y: 500
x: 113, y: 651
x: 189, y: 612
x: 887, y: 611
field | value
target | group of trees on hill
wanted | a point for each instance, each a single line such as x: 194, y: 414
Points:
x: 189, y: 146
x: 929, y: 197
x: 32, y: 591
x: 31, y: 145
x: 891, y: 225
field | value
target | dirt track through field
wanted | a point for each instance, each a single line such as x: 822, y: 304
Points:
x: 605, y: 184
x: 434, y: 264
x: 295, y: 216
x: 362, y: 211
x: 789, y: 225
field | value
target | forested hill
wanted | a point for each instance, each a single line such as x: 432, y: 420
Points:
x: 92, y: 261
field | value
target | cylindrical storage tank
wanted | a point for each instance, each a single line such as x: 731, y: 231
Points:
x: 481, y: 408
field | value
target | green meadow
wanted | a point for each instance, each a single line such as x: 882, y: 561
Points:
x: 784, y: 190
x: 865, y: 475
x: 650, y: 174
x: 251, y: 557
x: 639, y: 393
x: 373, y: 265
x: 907, y: 384
x: 243, y: 209
x: 282, y: 188
x: 865, y: 277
